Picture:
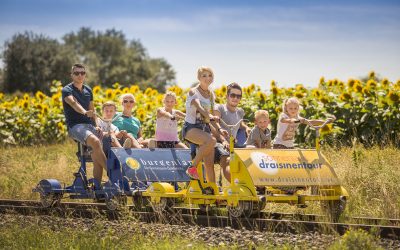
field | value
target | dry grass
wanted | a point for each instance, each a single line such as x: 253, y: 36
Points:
x: 371, y: 176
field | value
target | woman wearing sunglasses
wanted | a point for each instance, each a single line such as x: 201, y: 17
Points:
x: 130, y: 134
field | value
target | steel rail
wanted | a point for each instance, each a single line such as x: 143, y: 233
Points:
x: 264, y: 221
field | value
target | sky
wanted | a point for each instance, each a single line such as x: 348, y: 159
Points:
x: 247, y: 42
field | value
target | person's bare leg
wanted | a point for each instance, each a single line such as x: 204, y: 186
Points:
x: 205, y: 141
x: 224, y: 163
x: 115, y: 143
x: 98, y: 157
x: 209, y: 167
x: 135, y: 143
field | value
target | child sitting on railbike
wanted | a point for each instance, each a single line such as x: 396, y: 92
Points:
x: 288, y: 122
x: 167, y: 123
x: 260, y: 135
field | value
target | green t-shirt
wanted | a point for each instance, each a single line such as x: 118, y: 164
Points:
x: 130, y: 124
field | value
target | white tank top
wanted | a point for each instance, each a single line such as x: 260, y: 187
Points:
x: 192, y: 115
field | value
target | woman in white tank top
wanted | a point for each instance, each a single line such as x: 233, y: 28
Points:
x: 199, y: 111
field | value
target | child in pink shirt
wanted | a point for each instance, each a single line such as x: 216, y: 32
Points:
x: 167, y: 124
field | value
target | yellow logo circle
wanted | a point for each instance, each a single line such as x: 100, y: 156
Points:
x: 134, y: 164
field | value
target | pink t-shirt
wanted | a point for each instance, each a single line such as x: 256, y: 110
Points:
x: 166, y: 129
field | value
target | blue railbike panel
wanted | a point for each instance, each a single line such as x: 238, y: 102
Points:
x: 161, y: 165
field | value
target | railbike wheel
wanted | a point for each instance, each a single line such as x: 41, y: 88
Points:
x: 205, y: 208
x: 334, y: 208
x: 140, y: 203
x: 164, y: 205
x: 50, y: 199
x: 244, y: 208
x: 116, y: 202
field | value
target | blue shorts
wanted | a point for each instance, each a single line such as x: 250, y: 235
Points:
x: 81, y: 132
x: 188, y: 126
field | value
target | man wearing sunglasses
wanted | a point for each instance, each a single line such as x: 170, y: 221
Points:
x: 80, y: 117
x: 230, y: 113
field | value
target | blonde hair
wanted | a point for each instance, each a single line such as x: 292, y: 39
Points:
x: 261, y: 113
x: 203, y: 69
x: 126, y: 95
x: 108, y: 104
x: 291, y: 100
x: 169, y: 94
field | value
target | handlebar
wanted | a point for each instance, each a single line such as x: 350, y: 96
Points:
x: 231, y: 126
x: 317, y: 127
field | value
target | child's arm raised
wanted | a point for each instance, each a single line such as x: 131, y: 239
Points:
x: 161, y: 112
x: 180, y: 114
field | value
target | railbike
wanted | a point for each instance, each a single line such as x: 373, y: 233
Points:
x: 150, y: 178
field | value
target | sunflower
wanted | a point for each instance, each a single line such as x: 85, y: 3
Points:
x: 148, y: 106
x: 224, y: 89
x: 366, y: 91
x: 357, y: 87
x: 110, y: 94
x: 393, y: 98
x: 371, y: 75
x: 45, y: 109
x: 125, y: 90
x: 134, y: 88
x: 56, y: 99
x: 275, y: 91
x: 260, y: 95
x: 148, y: 91
x: 1, y: 95
x: 24, y: 104
x: 252, y: 87
x: 316, y: 93
x: 117, y: 93
x: 324, y: 99
x: 351, y: 83
x: 273, y: 84
x: 154, y: 92
x: 371, y: 84
x: 142, y: 117
x: 60, y: 126
x: 322, y: 81
x: 26, y: 97
x: 326, y: 129
x: 300, y: 87
x: 96, y: 89
x: 116, y: 85
x: 385, y: 83
x: 299, y: 95
x: 39, y: 106
x: 345, y: 96
x: 39, y: 95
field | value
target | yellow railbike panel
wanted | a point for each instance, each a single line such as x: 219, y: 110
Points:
x: 297, y: 167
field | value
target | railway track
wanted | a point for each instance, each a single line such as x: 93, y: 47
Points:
x: 278, y: 222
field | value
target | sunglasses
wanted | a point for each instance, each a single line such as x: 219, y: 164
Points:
x: 232, y: 95
x: 82, y: 73
x: 130, y: 101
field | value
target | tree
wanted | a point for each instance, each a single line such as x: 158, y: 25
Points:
x: 32, y: 62
x: 110, y: 58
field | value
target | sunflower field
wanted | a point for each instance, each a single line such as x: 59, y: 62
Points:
x: 367, y: 111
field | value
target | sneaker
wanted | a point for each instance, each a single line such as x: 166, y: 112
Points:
x: 127, y: 143
x: 192, y: 173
